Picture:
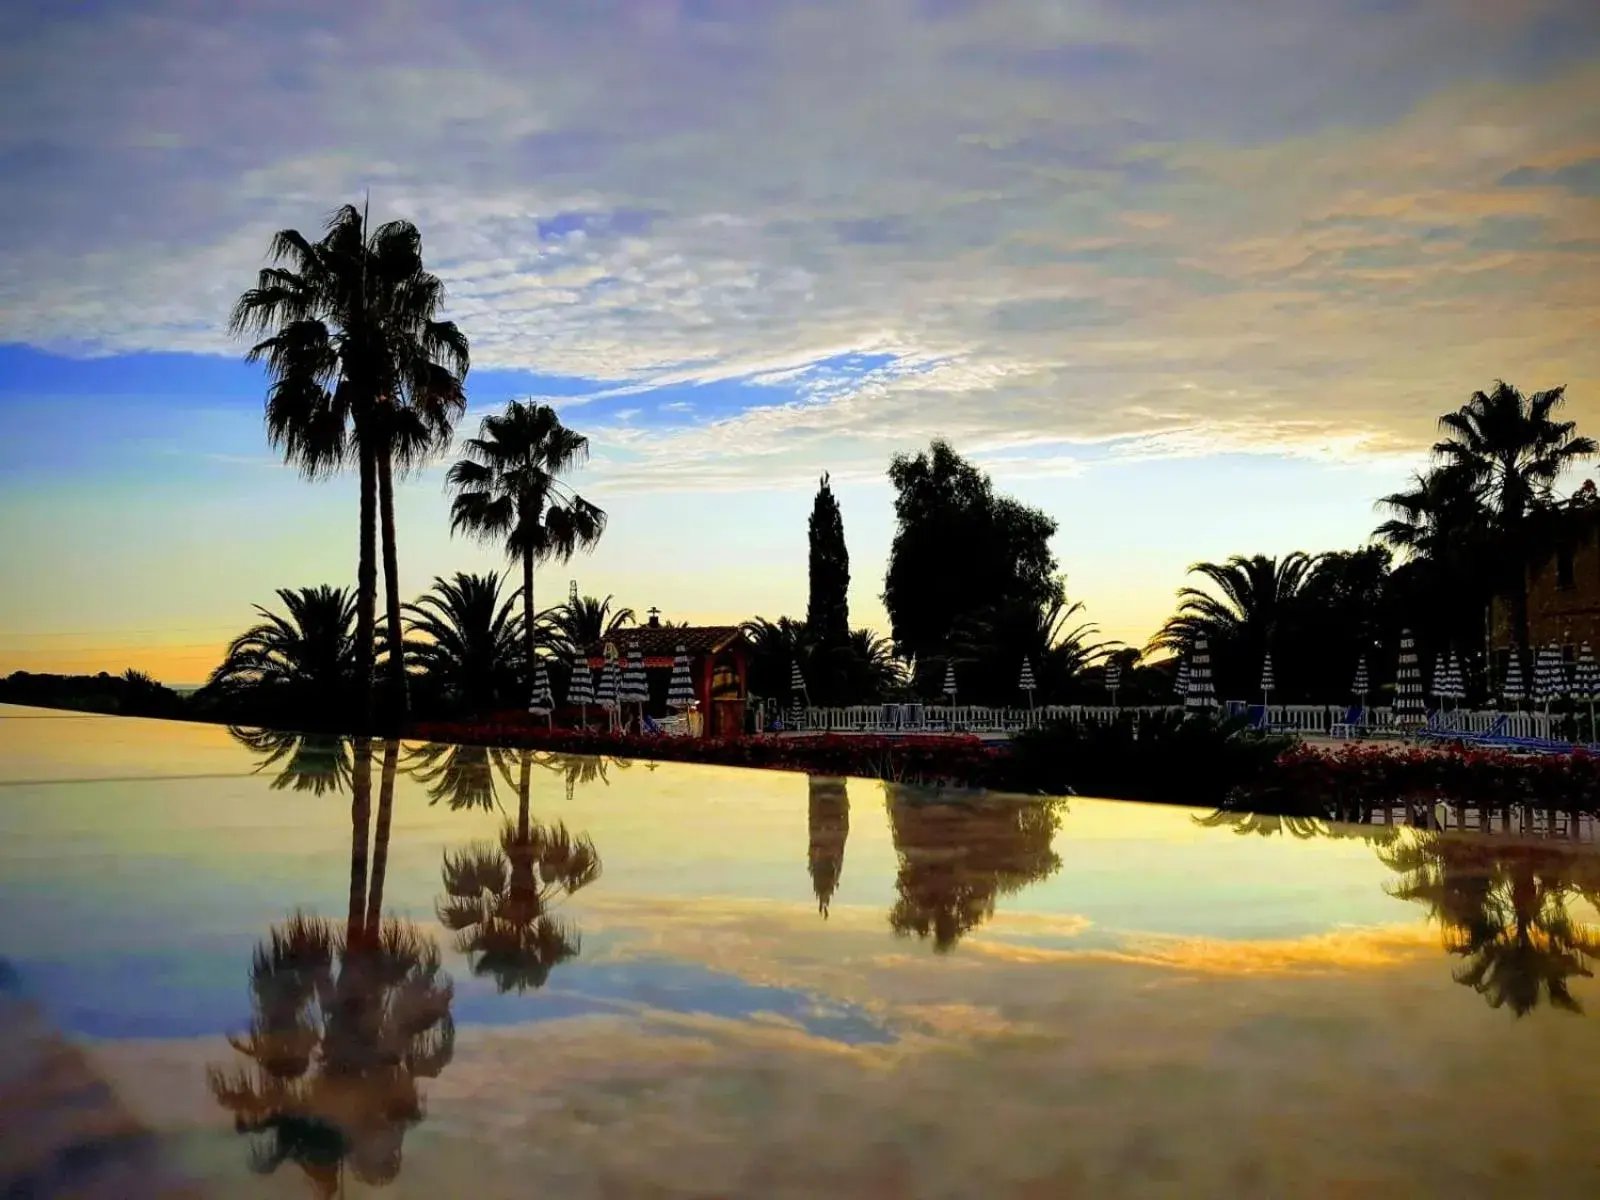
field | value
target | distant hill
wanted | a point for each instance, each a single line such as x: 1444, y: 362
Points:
x: 131, y: 694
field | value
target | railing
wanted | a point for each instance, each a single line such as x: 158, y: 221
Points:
x: 1304, y: 719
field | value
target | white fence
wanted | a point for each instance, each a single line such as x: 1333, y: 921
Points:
x: 1307, y: 719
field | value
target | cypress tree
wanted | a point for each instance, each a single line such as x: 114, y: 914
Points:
x: 828, y: 607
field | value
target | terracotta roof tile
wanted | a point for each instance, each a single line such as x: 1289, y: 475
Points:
x: 663, y: 641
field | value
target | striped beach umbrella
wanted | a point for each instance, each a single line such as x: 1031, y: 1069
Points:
x: 635, y: 683
x: 543, y: 702
x: 1439, y: 680
x: 680, y: 688
x: 1026, y: 681
x: 580, y: 689
x: 1113, y: 679
x: 1268, y: 683
x: 1180, y: 680
x: 1512, y: 688
x: 1586, y: 683
x: 1201, y: 696
x: 1409, y: 707
x: 1360, y: 685
x: 605, y: 693
x: 949, y: 688
x: 799, y: 700
x: 1548, y: 681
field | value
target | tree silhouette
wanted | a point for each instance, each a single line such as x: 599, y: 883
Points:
x: 305, y: 659
x: 959, y: 551
x: 361, y: 368
x: 828, y: 604
x: 957, y: 857
x: 344, y: 1022
x: 466, y: 641
x: 498, y: 897
x: 828, y: 811
x: 461, y: 776
x: 1503, y: 908
x: 509, y: 488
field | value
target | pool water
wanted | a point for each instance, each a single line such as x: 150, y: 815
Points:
x: 243, y: 965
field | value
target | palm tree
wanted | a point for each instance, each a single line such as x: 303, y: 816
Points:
x: 580, y: 623
x: 874, y: 671
x: 508, y: 487
x: 1511, y: 450
x: 361, y: 368
x: 307, y: 656
x: 468, y: 642
x: 344, y: 1022
x: 1258, y: 596
x: 497, y: 897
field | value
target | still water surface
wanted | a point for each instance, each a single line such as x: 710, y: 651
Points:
x: 272, y: 966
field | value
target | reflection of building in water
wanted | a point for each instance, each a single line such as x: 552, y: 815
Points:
x: 1507, y: 909
x: 829, y: 822
x: 958, y: 855
x: 344, y: 1021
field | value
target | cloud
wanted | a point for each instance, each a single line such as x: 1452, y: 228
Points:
x: 1093, y: 223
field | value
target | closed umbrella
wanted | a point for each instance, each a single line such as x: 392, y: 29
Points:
x: 798, y: 698
x: 1440, y: 680
x: 1113, y: 680
x: 1026, y: 681
x: 1512, y: 688
x: 580, y: 689
x: 949, y: 688
x: 606, y: 692
x: 1586, y: 684
x: 1201, y: 696
x: 1180, y: 681
x: 1458, y: 678
x: 1548, y: 683
x: 543, y: 702
x: 635, y: 683
x: 1409, y: 708
x: 1360, y: 685
x: 680, y: 689
x: 1267, y: 681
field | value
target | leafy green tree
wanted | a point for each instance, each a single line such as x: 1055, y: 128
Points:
x: 465, y: 641
x: 361, y: 368
x: 509, y: 487
x: 960, y: 553
x: 828, y: 606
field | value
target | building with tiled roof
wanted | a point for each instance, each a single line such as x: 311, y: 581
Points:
x: 719, y: 664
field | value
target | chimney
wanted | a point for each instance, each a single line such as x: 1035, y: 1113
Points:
x: 655, y: 618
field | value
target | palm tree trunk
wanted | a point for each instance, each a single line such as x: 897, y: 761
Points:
x: 366, y: 585
x: 522, y: 796
x: 398, y: 701
x: 360, y: 823
x: 380, y: 839
x: 527, y: 614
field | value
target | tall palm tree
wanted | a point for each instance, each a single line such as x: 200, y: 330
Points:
x: 1511, y: 449
x: 307, y: 656
x: 774, y: 647
x: 1257, y: 597
x: 344, y: 1022
x: 467, y: 639
x: 361, y: 368
x: 509, y: 487
x: 498, y: 897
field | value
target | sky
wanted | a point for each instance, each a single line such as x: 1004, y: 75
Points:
x: 1195, y: 279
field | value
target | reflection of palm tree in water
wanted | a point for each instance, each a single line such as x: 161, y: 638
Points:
x: 1300, y: 828
x: 1504, y: 909
x: 461, y: 776
x: 829, y: 822
x: 957, y: 857
x: 344, y: 1022
x: 307, y: 762
x: 498, y: 896
x: 581, y: 768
